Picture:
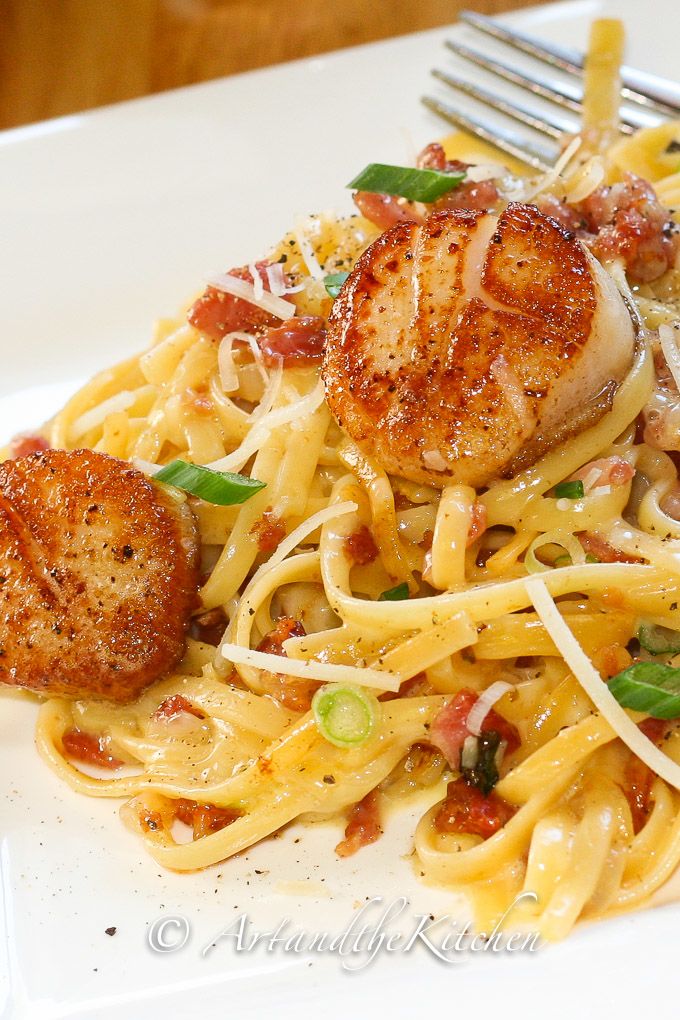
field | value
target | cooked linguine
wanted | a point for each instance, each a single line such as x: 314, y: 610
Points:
x: 472, y: 630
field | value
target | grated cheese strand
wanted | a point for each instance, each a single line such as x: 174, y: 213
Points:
x: 325, y: 672
x: 307, y: 252
x: 122, y: 401
x: 246, y: 291
x: 596, y: 689
x: 483, y: 705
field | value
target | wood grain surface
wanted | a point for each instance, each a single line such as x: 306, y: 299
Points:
x: 62, y: 56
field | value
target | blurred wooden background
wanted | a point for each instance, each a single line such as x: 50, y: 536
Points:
x: 62, y: 56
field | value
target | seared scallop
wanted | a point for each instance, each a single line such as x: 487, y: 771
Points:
x: 463, y: 348
x: 98, y: 575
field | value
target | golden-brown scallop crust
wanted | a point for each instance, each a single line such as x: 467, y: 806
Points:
x: 98, y: 576
x: 414, y: 341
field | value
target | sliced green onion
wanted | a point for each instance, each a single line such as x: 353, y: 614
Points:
x: 650, y: 687
x: 659, y: 640
x: 570, y: 490
x: 345, y: 715
x: 407, y: 182
x: 563, y: 561
x: 396, y: 594
x: 333, y: 283
x: 480, y: 769
x: 590, y: 558
x: 219, y: 487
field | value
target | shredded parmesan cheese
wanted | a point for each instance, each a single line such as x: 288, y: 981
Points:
x: 246, y: 291
x: 484, y: 704
x: 258, y: 286
x: 585, y: 180
x: 146, y: 466
x: 305, y: 529
x: 485, y: 172
x: 225, y: 364
x: 98, y: 415
x: 591, y: 479
x: 307, y: 252
x: 277, y: 279
x: 325, y: 672
x: 546, y: 182
x: 264, y: 426
x: 596, y: 689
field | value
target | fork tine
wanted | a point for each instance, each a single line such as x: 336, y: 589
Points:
x: 518, y: 113
x: 531, y: 153
x: 566, y: 96
x: 569, y: 60
x: 655, y: 94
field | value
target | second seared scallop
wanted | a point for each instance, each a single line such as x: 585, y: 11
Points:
x: 461, y: 349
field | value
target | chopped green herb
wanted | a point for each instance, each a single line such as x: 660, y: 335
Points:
x: 563, y: 561
x: 219, y: 487
x: 659, y: 640
x: 407, y: 182
x: 483, y: 771
x: 345, y: 715
x: 333, y: 283
x: 590, y: 558
x: 569, y: 490
x: 650, y: 687
x: 396, y: 594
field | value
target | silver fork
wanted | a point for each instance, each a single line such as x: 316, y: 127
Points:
x: 648, y: 99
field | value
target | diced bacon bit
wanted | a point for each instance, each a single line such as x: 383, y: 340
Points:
x: 611, y: 471
x: 480, y: 195
x: 152, y: 821
x: 385, y: 210
x: 566, y: 215
x: 293, y: 693
x: 467, y: 810
x: 204, y: 819
x: 363, y: 825
x: 449, y: 728
x: 433, y: 157
x: 196, y: 400
x: 427, y: 539
x: 286, y: 627
x: 611, y: 659
x: 623, y: 221
x: 417, y: 687
x: 478, y: 523
x: 25, y: 444
x: 596, y: 546
x: 360, y: 547
x: 299, y: 341
x: 89, y: 749
x: 209, y: 627
x: 216, y: 313
x: 630, y: 223
x: 173, y: 706
x: 639, y: 778
x: 270, y: 531
x: 402, y: 502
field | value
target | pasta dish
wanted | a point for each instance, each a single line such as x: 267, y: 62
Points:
x: 391, y: 513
